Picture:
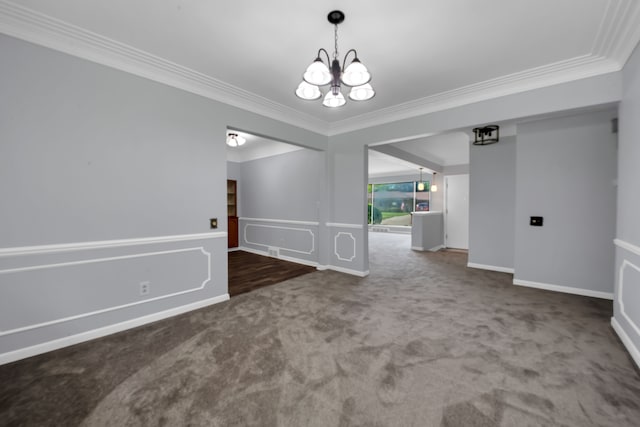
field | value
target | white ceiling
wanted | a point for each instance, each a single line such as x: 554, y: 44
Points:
x: 424, y: 55
x: 257, y: 147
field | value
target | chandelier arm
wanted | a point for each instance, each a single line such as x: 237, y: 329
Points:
x: 344, y: 61
x: 327, y: 54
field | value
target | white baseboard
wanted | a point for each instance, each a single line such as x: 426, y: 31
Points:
x: 45, y: 347
x: 418, y: 248
x: 280, y: 256
x: 491, y: 267
x: 626, y: 340
x: 564, y: 289
x: 436, y: 248
x: 343, y: 270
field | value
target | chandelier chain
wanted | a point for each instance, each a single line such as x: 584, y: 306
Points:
x: 335, y: 51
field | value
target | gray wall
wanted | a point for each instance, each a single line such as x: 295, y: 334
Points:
x: 492, y: 203
x: 107, y: 180
x: 626, y: 308
x: 281, y: 199
x: 287, y: 186
x: 565, y: 172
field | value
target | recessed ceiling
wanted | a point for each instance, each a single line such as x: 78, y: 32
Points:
x: 421, y: 53
x: 445, y: 150
x: 257, y: 147
x: 381, y: 165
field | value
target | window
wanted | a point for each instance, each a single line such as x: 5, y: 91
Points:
x: 392, y: 203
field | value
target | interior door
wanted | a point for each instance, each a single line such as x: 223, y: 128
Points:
x: 457, y: 211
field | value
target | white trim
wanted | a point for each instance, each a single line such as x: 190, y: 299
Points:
x: 280, y: 221
x: 626, y: 340
x: 344, y: 270
x: 103, y: 244
x: 345, y: 225
x: 620, y: 299
x: 564, y: 289
x: 627, y: 246
x: 434, y: 249
x: 491, y: 267
x: 282, y: 257
x: 108, y: 309
x: 35, y: 27
x: 617, y: 36
x: 23, y: 353
x: 335, y: 246
x: 313, y: 237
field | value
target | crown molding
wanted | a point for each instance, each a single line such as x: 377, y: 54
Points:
x: 617, y: 36
x: 535, y: 78
x: 29, y: 25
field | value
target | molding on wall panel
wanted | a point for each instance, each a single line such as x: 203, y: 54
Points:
x: 563, y: 289
x: 626, y: 340
x: 113, y: 308
x: 344, y: 270
x: 280, y: 221
x: 103, y: 244
x: 627, y: 246
x: 621, y: 299
x: 491, y: 267
x: 35, y: 27
x: 282, y: 257
x: 313, y: 236
x: 344, y: 225
x: 106, y: 330
x: 335, y: 246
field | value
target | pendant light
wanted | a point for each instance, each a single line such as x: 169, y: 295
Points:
x: 433, y: 187
x: 420, y: 183
x: 319, y: 73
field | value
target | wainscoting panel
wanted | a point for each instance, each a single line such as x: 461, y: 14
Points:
x: 293, y: 240
x: 349, y: 254
x: 626, y: 308
x: 55, y: 291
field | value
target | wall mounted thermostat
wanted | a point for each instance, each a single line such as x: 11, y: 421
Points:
x: 536, y: 221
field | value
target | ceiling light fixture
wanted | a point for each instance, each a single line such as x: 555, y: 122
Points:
x: 318, y: 74
x: 420, y: 183
x: 433, y: 187
x: 486, y: 135
x: 235, y: 140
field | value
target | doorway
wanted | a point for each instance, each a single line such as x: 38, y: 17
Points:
x: 456, y: 219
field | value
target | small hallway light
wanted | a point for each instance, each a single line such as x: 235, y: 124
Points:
x: 235, y: 140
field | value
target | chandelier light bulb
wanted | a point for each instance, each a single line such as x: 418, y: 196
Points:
x: 356, y: 74
x: 317, y: 73
x: 308, y: 91
x: 361, y: 93
x: 333, y: 101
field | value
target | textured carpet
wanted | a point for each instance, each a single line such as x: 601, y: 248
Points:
x: 422, y: 341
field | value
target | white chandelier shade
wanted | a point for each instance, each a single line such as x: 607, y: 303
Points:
x: 235, y: 140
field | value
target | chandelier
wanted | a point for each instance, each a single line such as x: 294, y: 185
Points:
x: 319, y: 73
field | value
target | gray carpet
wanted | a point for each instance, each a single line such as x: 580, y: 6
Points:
x: 422, y: 341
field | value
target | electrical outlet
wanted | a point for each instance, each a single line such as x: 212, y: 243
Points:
x: 145, y: 288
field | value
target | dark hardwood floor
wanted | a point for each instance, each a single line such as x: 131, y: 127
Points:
x: 249, y: 271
